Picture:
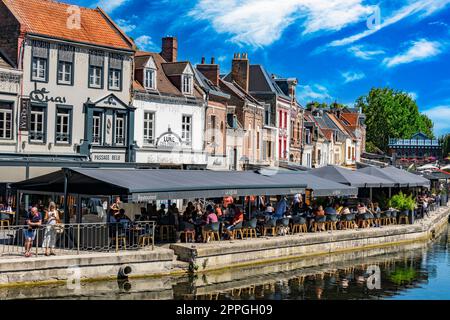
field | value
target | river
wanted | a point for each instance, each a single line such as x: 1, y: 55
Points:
x: 415, y: 271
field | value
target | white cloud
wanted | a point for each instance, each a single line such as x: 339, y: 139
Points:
x: 440, y: 115
x: 262, y: 22
x: 419, y: 50
x: 414, y: 95
x: 145, y: 42
x: 422, y: 7
x: 364, y: 53
x: 313, y: 92
x: 351, y: 76
x: 126, y: 25
x: 110, y: 5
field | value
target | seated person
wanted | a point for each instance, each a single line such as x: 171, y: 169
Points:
x: 238, y: 218
x: 281, y: 208
x: 218, y: 210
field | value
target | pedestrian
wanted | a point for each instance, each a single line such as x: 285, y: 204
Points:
x: 33, y: 221
x: 51, y: 219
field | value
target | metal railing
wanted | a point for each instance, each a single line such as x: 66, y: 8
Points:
x: 70, y: 239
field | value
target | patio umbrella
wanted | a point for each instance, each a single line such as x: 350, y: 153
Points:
x: 447, y: 167
x: 427, y: 167
x: 349, y: 177
x: 378, y: 172
x: 404, y: 177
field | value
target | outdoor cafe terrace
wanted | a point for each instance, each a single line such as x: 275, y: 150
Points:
x: 245, y: 205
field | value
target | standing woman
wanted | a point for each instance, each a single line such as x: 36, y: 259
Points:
x: 51, y: 218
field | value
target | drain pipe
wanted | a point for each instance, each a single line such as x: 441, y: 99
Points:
x: 124, y: 272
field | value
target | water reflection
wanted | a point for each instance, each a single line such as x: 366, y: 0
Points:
x: 416, y: 271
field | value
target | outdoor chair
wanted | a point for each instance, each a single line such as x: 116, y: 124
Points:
x: 270, y: 225
x: 249, y: 228
x: 386, y: 217
x: 237, y: 231
x: 4, y: 220
x: 282, y: 226
x: 166, y: 232
x: 394, y: 215
x: 319, y: 223
x: 298, y: 225
x: 403, y: 217
x: 349, y: 221
x: 331, y: 222
x: 189, y: 235
x: 211, y: 232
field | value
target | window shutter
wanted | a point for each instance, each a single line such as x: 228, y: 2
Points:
x: 40, y: 50
x: 96, y: 59
x: 115, y: 62
x: 65, y: 54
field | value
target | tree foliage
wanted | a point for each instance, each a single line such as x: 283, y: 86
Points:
x: 446, y: 145
x: 392, y: 114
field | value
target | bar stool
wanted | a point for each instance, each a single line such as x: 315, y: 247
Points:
x: 189, y: 235
x: 4, y: 223
x: 165, y: 232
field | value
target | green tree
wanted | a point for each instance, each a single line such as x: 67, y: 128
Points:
x: 391, y: 114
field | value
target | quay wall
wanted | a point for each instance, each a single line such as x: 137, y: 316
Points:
x: 212, y: 256
x: 92, y: 266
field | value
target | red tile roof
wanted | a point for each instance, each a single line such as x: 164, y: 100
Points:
x: 49, y: 18
x: 351, y: 118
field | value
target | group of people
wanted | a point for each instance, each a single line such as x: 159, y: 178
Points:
x: 37, y: 217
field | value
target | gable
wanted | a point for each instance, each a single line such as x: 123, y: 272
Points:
x: 150, y: 63
x: 112, y: 102
x: 188, y: 70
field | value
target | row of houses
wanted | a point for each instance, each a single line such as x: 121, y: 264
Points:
x: 76, y: 91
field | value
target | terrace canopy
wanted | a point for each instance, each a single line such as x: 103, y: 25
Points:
x: 378, y: 172
x: 143, y: 185
x: 406, y: 178
x: 352, y: 178
x: 321, y: 187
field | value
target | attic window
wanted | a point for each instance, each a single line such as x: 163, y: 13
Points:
x: 150, y: 78
x: 187, y: 84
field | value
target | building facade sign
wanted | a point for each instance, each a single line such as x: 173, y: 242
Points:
x: 168, y: 140
x: 41, y: 96
x: 24, y: 116
x: 108, y: 157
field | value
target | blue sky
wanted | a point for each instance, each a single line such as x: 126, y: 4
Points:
x: 337, y: 49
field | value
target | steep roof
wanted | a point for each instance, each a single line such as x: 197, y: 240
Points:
x: 234, y: 88
x: 163, y: 83
x: 207, y: 85
x: 49, y: 18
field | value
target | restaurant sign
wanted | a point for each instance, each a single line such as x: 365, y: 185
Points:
x: 24, y: 116
x: 168, y: 140
x: 108, y: 157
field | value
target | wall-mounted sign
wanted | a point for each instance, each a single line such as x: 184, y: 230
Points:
x: 108, y: 157
x: 109, y: 134
x: 41, y: 96
x: 168, y: 140
x: 24, y: 116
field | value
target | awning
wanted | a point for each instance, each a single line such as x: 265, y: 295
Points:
x: 378, y: 172
x: 405, y: 177
x: 144, y: 185
x: 321, y: 187
x: 351, y: 178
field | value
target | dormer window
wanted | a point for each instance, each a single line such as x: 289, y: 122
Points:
x: 150, y: 78
x: 187, y: 84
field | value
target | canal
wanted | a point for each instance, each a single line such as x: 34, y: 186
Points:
x: 414, y: 271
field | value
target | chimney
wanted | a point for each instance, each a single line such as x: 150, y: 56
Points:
x: 240, y: 70
x: 203, y: 60
x: 213, y: 60
x: 210, y: 71
x: 169, y: 49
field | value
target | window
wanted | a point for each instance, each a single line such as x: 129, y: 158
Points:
x: 298, y: 132
x: 97, y: 128
x: 115, y: 79
x: 120, y: 130
x: 257, y: 140
x: 187, y: 84
x: 292, y: 130
x: 63, y: 125
x: 307, y: 136
x: 280, y: 121
x: 6, y: 121
x: 285, y: 120
x: 115, y: 72
x: 64, y: 72
x: 65, y: 65
x: 96, y: 65
x: 186, y: 129
x: 149, y: 128
x: 150, y: 78
x: 39, y: 69
x: 37, y: 125
x: 95, y: 76
x: 213, y: 128
x: 349, y: 152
